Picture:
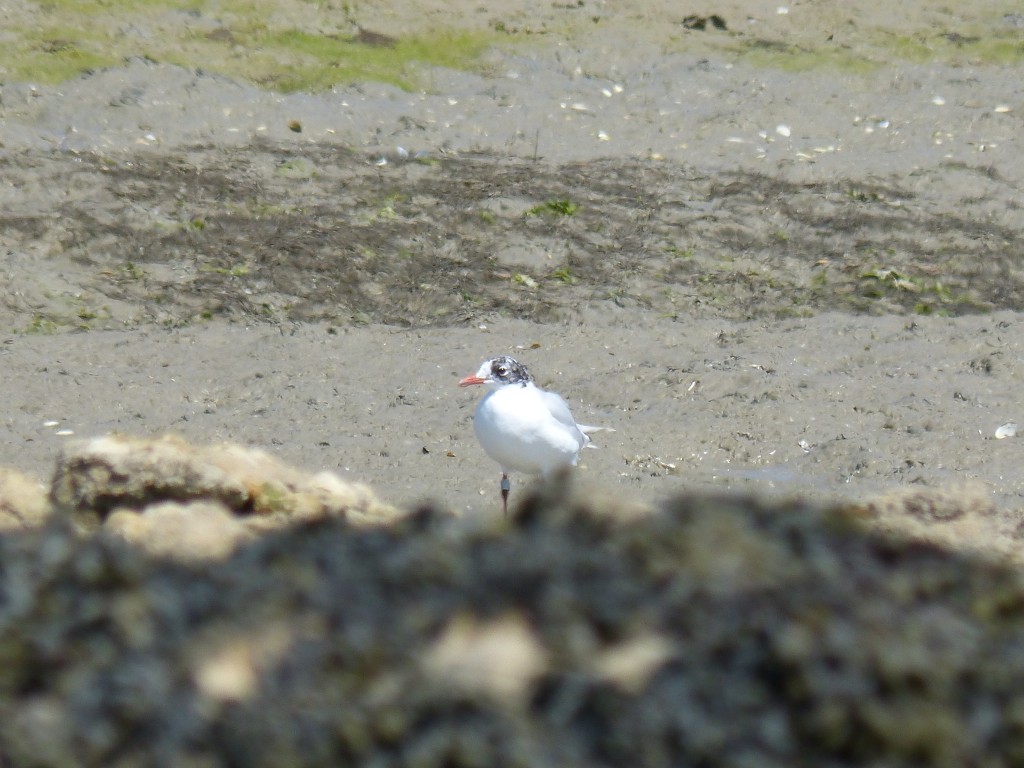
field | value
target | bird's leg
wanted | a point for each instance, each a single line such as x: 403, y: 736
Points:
x: 506, y: 486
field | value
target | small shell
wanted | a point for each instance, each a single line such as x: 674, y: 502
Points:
x: 783, y: 130
x: 1009, y: 429
x: 65, y: 432
x: 938, y: 101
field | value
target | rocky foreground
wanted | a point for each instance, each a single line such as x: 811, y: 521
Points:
x: 162, y: 604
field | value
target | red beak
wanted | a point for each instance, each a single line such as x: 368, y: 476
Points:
x: 469, y: 381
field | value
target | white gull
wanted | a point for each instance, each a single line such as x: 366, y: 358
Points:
x: 521, y: 426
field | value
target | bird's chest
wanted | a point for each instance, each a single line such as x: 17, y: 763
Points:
x: 516, y: 429
x: 512, y: 412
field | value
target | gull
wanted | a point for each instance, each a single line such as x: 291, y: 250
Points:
x: 521, y: 426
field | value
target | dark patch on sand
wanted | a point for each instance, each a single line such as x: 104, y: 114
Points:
x: 323, y: 234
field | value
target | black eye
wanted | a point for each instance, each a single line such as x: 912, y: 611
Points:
x: 502, y: 370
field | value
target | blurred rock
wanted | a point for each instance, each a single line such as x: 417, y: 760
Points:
x: 96, y: 477
x: 962, y: 517
x: 502, y: 658
x: 22, y: 500
x: 717, y: 631
x: 195, y: 530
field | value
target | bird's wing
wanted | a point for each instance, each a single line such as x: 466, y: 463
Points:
x: 586, y: 429
x: 558, y: 408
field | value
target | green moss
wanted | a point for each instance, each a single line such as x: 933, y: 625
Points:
x: 913, y: 48
x: 73, y: 38
x: 55, y: 57
x: 554, y: 208
x: 793, y: 59
x: 131, y: 271
x: 982, y: 48
x: 680, y: 253
x: 238, y: 270
x: 103, y: 7
x: 294, y: 60
x: 881, y: 47
x: 43, y: 326
x: 261, y: 43
x: 563, y: 275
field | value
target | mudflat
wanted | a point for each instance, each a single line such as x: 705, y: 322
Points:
x: 792, y: 266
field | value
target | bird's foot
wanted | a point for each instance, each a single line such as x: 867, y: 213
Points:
x: 506, y: 486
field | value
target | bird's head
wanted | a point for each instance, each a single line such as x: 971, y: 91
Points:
x: 499, y: 372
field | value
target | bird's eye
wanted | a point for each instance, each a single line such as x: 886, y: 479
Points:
x: 502, y: 370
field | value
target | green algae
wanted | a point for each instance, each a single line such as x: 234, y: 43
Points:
x: 247, y: 41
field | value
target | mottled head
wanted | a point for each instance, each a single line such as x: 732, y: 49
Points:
x: 499, y: 371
